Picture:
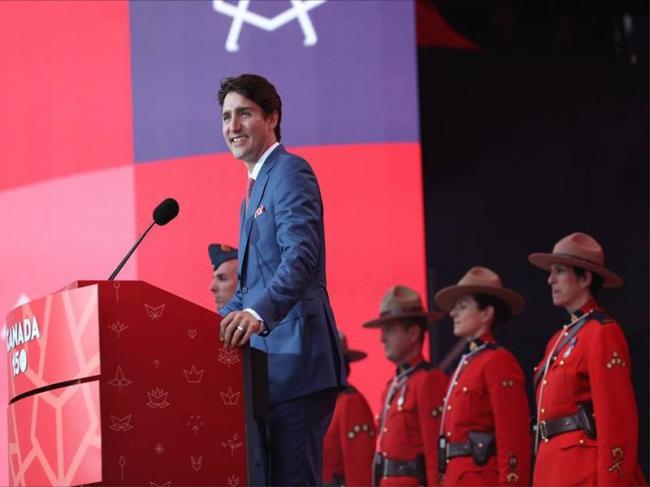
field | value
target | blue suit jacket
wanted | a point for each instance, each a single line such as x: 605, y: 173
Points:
x: 282, y: 277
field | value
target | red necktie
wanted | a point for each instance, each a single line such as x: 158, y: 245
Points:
x: 249, y: 190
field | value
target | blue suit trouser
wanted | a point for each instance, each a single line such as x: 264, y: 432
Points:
x: 289, y: 443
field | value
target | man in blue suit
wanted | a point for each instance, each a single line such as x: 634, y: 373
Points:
x: 281, y: 303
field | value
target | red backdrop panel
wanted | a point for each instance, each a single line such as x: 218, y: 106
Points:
x: 65, y: 94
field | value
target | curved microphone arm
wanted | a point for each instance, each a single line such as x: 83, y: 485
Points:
x: 119, y: 267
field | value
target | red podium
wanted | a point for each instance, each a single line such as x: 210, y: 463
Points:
x: 122, y: 383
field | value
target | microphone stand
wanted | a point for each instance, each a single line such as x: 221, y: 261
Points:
x: 119, y: 267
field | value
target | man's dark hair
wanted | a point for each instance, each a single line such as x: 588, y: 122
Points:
x: 502, y: 311
x: 596, y: 280
x: 257, y: 89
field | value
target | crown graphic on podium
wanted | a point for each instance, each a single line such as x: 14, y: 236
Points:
x: 193, y: 376
x: 230, y: 397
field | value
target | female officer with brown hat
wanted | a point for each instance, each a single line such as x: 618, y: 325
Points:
x: 484, y: 437
x: 587, y: 425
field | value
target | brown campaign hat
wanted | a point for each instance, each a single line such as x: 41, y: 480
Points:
x: 578, y: 250
x: 401, y: 302
x: 479, y: 280
x: 351, y: 355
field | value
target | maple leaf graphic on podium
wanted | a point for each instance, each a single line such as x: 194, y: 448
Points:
x: 228, y: 356
x: 157, y: 398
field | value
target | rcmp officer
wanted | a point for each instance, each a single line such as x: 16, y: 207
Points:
x: 224, y: 283
x: 224, y: 277
x: 412, y: 400
x: 484, y: 438
x: 349, y: 443
x: 587, y: 425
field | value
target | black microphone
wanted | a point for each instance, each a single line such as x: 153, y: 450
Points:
x: 162, y: 215
x: 165, y: 211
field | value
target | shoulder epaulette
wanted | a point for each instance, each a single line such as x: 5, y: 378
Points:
x: 602, y: 316
x: 492, y: 346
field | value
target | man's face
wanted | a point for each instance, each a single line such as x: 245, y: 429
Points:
x: 400, y: 342
x: 567, y: 289
x: 470, y: 321
x: 224, y: 282
x: 245, y: 129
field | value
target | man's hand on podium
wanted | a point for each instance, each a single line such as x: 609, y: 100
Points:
x: 237, y: 328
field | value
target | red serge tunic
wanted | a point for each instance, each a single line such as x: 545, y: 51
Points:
x: 592, y: 367
x: 488, y: 394
x: 412, y: 419
x: 349, y: 444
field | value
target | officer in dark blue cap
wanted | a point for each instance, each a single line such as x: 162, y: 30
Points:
x: 224, y: 265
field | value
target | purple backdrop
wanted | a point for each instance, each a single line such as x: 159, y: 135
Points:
x: 354, y: 85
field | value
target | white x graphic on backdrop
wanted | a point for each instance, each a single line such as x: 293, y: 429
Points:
x: 240, y: 15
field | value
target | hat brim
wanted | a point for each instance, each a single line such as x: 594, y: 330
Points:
x: 544, y: 261
x: 430, y: 316
x: 355, y: 355
x: 446, y: 298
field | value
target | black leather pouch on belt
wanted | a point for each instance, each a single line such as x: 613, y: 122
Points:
x: 422, y: 469
x: 377, y: 469
x: 586, y: 416
x: 442, y: 454
x: 482, y: 446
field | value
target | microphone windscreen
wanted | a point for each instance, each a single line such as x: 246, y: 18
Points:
x: 166, y: 211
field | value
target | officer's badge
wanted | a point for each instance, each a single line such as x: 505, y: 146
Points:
x: 572, y: 344
x: 617, y: 461
x: 615, y: 361
x: 512, y: 478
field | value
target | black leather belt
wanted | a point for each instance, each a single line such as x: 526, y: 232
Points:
x: 459, y: 450
x: 480, y: 447
x: 402, y: 468
x: 552, y: 427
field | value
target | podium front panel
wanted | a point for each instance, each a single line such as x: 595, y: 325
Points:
x: 172, y: 396
x: 126, y: 384
x: 55, y: 437
x: 53, y: 340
